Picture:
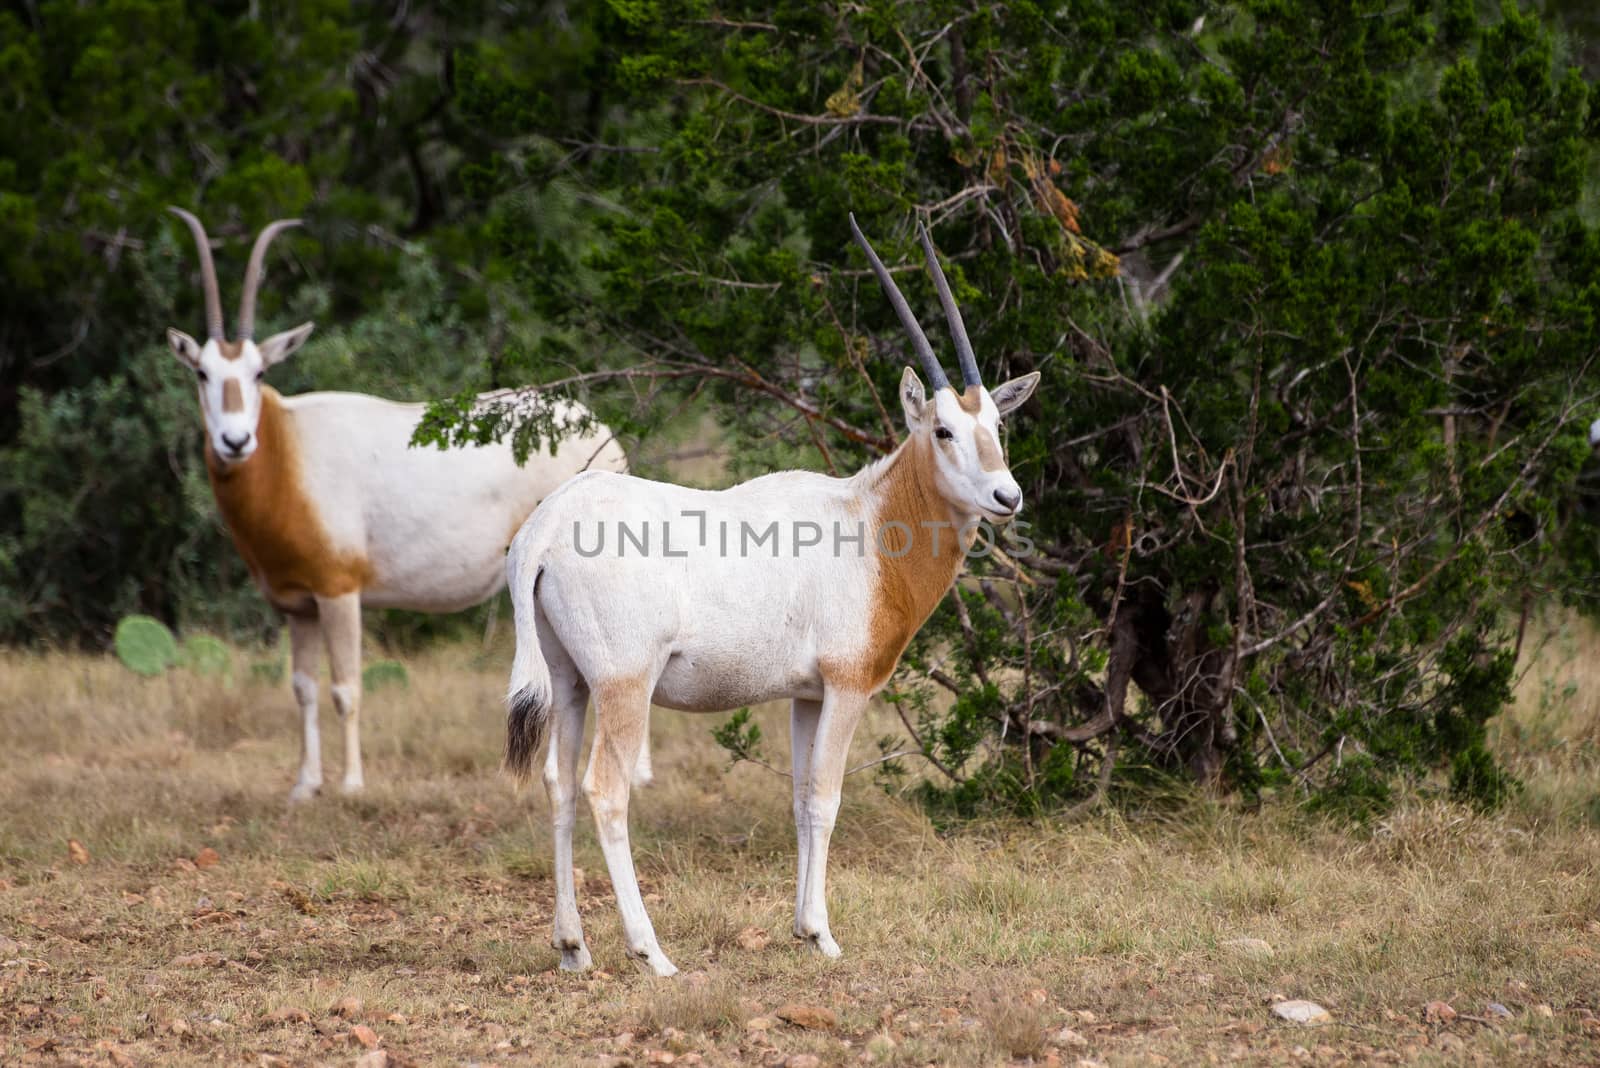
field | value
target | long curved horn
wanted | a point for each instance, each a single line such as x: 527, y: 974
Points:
x: 952, y: 314
x: 919, y: 340
x: 252, y: 276
x: 208, y: 274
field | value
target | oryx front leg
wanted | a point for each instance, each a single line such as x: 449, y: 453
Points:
x: 569, y: 699
x: 305, y: 635
x: 621, y: 714
x: 341, y: 624
x: 836, y: 726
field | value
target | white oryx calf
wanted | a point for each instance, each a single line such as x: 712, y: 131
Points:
x: 333, y: 510
x: 791, y: 585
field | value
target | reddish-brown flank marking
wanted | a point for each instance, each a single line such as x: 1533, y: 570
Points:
x: 232, y: 396
x: 907, y: 588
x: 274, y: 523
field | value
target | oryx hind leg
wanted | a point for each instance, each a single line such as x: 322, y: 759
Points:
x: 569, y: 698
x: 622, y: 714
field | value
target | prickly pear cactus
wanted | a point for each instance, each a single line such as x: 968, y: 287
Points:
x: 205, y: 655
x: 382, y: 673
x: 145, y: 645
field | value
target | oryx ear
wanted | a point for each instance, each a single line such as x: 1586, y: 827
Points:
x: 280, y: 347
x: 184, y: 347
x: 1008, y: 396
x: 913, y: 398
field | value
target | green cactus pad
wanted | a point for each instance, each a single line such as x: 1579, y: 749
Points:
x: 145, y: 645
x: 205, y: 655
x: 382, y: 673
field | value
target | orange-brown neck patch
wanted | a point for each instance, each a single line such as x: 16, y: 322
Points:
x: 917, y: 559
x: 274, y: 523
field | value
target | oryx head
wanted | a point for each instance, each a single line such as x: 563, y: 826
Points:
x: 229, y: 373
x: 962, y: 428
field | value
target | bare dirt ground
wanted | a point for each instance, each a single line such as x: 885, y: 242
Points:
x: 160, y: 904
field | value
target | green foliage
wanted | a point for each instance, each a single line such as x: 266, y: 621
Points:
x: 145, y: 645
x: 740, y: 737
x: 270, y: 670
x: 384, y: 674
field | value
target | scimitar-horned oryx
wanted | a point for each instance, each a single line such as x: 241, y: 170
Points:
x: 333, y: 510
x: 820, y: 613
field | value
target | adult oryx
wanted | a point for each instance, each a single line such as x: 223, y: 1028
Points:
x: 333, y: 510
x: 843, y: 573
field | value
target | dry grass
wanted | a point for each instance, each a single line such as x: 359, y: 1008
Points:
x: 428, y: 900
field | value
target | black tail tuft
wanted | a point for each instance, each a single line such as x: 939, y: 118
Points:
x: 525, y: 718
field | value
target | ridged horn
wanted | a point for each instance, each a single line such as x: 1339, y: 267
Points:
x: 919, y: 340
x: 952, y: 314
x: 252, y: 276
x: 208, y: 274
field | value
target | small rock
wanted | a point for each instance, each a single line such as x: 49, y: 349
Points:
x: 289, y: 1014
x: 1448, y: 1042
x: 364, y: 1036
x: 184, y: 864
x: 1495, y: 1009
x: 760, y: 1023
x: 810, y: 1017
x: 349, y: 1007
x: 691, y: 1058
x: 754, y: 938
x: 377, y: 1058
x: 803, y: 1060
x: 674, y: 1036
x: 1038, y: 995
x: 1257, y: 948
x: 1308, y: 1013
x: 396, y: 1018
x: 660, y: 1056
x: 1544, y: 1011
x: 207, y: 858
x: 1070, y: 1039
x: 1438, y: 1012
x: 610, y: 1060
x: 76, y: 852
x: 179, y: 1026
x: 1589, y: 1025
x: 9, y: 948
x: 1084, y: 1016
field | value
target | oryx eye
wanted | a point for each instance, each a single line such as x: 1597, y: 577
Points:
x: 201, y: 375
x: 260, y: 375
x: 942, y: 433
